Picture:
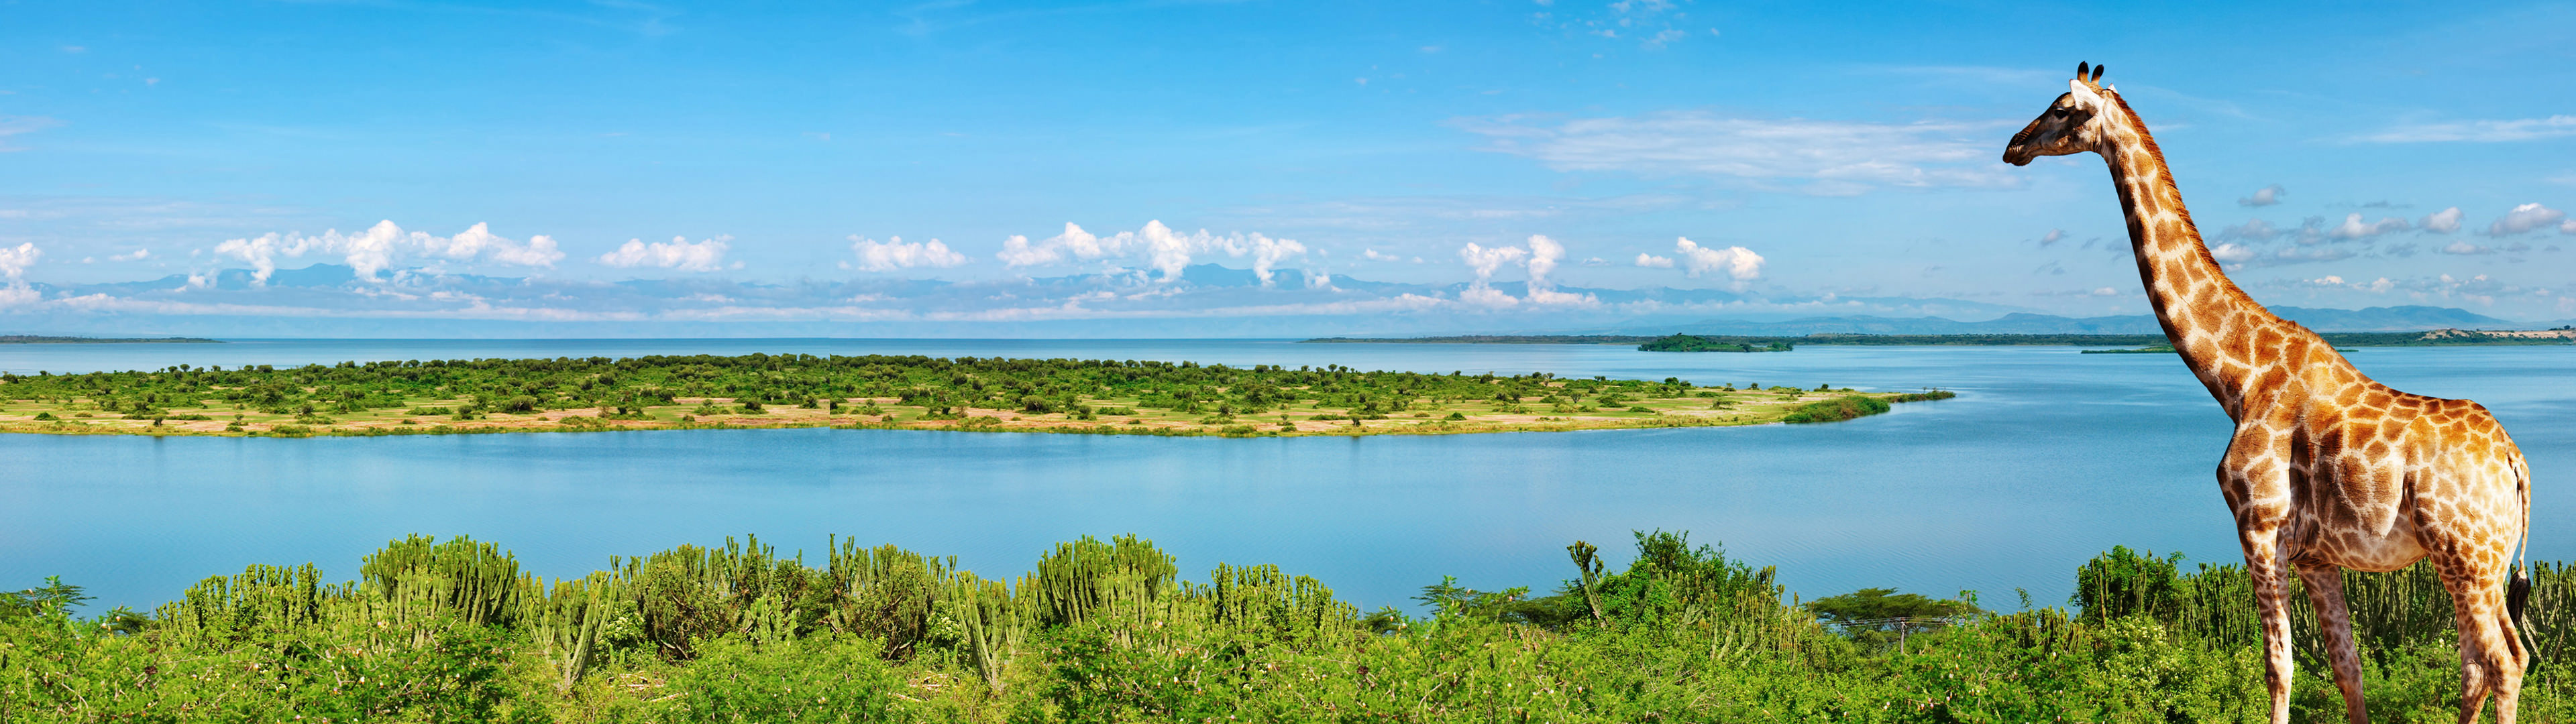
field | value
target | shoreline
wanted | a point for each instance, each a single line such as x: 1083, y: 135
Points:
x: 987, y: 421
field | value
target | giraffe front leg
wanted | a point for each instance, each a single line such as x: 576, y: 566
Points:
x: 2272, y: 599
x: 2255, y: 478
x: 2325, y: 592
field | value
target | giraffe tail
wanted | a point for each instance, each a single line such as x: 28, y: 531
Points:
x: 2517, y: 591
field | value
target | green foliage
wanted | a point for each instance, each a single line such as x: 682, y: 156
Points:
x: 1837, y: 409
x: 829, y: 678
x: 1107, y: 631
x: 2123, y: 582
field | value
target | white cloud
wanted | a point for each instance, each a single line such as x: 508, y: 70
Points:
x: 1651, y: 261
x: 2466, y: 248
x: 1162, y: 248
x: 1373, y: 255
x: 2251, y: 230
x: 2441, y: 222
x: 135, y: 255
x: 1487, y: 296
x: 679, y: 254
x: 2524, y: 218
x: 2353, y: 228
x: 1544, y: 255
x: 1486, y: 261
x: 2265, y: 196
x: 385, y: 245
x: 2524, y: 129
x: 15, y: 260
x: 1738, y: 263
x: 1823, y: 157
x: 886, y: 256
x: 2327, y: 281
x: 2231, y: 253
x: 2053, y: 236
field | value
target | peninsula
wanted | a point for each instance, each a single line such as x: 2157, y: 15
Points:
x: 887, y: 392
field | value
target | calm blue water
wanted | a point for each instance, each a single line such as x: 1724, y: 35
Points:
x: 2046, y: 458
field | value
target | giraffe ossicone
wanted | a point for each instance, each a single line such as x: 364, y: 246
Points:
x: 2327, y: 469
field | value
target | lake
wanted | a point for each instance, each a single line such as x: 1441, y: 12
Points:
x: 2046, y: 458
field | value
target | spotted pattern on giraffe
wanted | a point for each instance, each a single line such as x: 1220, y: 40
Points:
x: 2327, y: 469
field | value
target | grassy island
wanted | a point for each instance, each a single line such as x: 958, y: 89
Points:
x: 877, y: 391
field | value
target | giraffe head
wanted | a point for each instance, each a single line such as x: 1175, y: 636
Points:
x: 2070, y: 125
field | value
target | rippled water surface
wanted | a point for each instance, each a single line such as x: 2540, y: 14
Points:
x: 2047, y: 457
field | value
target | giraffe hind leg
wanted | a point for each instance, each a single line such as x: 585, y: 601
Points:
x: 2491, y: 658
x: 2325, y: 591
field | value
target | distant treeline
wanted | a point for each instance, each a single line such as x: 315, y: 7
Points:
x: 1759, y: 343
x: 1112, y: 631
x: 43, y: 339
x: 1490, y: 339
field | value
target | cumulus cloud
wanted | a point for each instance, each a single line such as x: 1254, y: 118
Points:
x: 1486, y: 261
x: 1160, y: 247
x: 2265, y: 196
x: 2522, y: 129
x: 2231, y: 253
x: 384, y: 246
x: 2354, y: 228
x: 135, y: 255
x: 15, y: 260
x: 1737, y: 263
x: 2525, y: 218
x: 1651, y: 261
x: 1544, y: 255
x: 2441, y: 222
x: 679, y: 254
x: 886, y: 256
x: 1822, y: 157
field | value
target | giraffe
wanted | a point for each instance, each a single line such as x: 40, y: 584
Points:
x: 2327, y: 469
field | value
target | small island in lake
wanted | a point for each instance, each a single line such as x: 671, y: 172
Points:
x: 884, y: 392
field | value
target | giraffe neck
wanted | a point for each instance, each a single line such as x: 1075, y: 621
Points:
x: 2200, y: 309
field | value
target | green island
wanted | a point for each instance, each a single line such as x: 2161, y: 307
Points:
x: 1696, y: 343
x: 1110, y: 631
x: 883, y: 392
x: 46, y: 339
x: 1757, y: 343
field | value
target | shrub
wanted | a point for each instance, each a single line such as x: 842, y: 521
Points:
x: 819, y: 679
x: 1837, y: 409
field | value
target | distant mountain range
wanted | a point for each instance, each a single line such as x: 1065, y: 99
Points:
x: 1202, y: 301
x: 2375, y: 319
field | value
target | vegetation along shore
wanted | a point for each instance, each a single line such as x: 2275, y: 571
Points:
x: 884, y: 392
x: 1111, y: 631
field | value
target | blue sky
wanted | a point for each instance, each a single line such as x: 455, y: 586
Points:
x: 793, y: 162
